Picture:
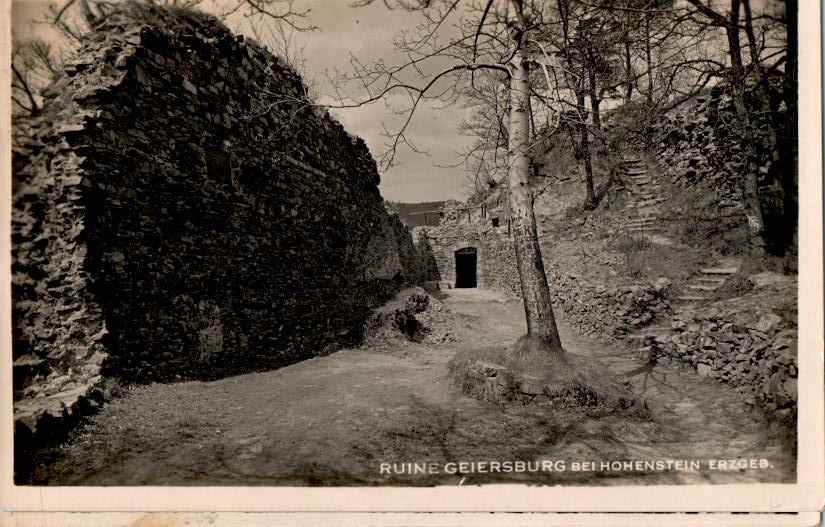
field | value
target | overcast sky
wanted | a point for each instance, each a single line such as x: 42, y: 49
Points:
x: 365, y: 32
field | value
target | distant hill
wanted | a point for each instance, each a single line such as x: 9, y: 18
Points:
x: 418, y: 214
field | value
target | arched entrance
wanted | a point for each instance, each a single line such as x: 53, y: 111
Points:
x: 466, y: 261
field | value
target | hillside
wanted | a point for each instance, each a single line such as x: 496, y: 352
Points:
x: 417, y: 214
x: 664, y: 263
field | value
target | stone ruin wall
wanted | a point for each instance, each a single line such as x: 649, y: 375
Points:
x: 698, y: 147
x: 180, y: 212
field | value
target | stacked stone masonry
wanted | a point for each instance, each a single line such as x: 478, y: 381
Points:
x: 753, y: 351
x: 699, y: 148
x: 181, y: 211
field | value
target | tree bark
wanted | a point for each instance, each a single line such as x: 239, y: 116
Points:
x: 750, y: 186
x: 788, y: 140
x: 590, y: 201
x: 534, y: 289
x: 649, y: 58
x: 777, y: 182
x: 763, y: 88
x: 594, y: 98
x: 628, y: 92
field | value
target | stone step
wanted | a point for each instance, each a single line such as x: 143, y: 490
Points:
x: 643, y: 209
x: 702, y: 287
x: 650, y: 204
x: 632, y: 200
x: 719, y: 270
x: 646, y: 222
x: 710, y: 279
x: 692, y: 298
x: 636, y: 172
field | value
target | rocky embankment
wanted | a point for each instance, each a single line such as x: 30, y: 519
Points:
x: 700, y: 149
x: 745, y: 342
x: 607, y: 312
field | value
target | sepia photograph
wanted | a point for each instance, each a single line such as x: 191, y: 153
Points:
x: 414, y: 244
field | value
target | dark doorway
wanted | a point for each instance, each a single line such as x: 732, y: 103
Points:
x: 465, y: 267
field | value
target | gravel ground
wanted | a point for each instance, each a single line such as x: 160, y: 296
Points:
x: 333, y: 420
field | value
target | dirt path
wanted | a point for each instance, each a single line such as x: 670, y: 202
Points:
x: 335, y: 419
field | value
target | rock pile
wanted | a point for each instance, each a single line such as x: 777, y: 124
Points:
x: 439, y: 322
x: 414, y: 316
x: 740, y: 345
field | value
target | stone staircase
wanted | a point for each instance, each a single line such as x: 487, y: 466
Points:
x: 642, y: 207
x: 700, y: 288
x: 642, y: 210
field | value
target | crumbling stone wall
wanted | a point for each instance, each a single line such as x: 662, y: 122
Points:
x: 699, y: 147
x: 699, y: 150
x: 181, y: 211
x: 496, y: 261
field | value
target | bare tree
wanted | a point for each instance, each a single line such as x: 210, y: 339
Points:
x: 34, y: 64
x: 488, y: 38
x: 75, y: 17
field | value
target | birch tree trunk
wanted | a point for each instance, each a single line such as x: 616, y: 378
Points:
x: 534, y: 289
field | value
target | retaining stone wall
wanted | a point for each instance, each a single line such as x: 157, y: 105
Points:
x: 740, y: 344
x: 606, y: 313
